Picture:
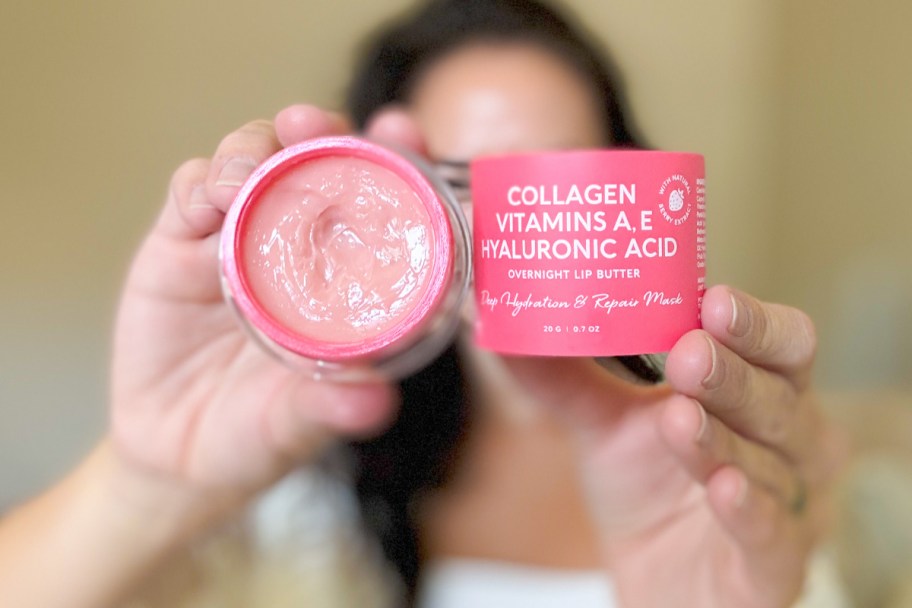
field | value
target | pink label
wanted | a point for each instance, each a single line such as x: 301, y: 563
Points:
x: 588, y: 253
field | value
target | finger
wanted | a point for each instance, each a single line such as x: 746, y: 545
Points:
x: 188, y: 214
x: 774, y: 543
x: 236, y: 157
x: 776, y: 337
x: 314, y: 411
x: 756, y: 403
x: 393, y: 125
x: 288, y: 424
x: 704, y: 445
x: 297, y: 123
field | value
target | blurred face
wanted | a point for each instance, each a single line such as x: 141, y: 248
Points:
x: 504, y: 97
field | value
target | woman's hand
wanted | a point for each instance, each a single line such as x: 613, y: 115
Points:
x: 201, y: 418
x: 711, y: 491
x: 194, y: 399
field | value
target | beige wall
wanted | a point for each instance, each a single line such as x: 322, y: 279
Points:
x: 846, y: 214
x: 802, y: 109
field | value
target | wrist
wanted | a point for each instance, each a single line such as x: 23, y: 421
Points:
x: 100, y: 532
x: 151, y: 507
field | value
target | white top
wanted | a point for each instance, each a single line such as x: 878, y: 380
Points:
x: 462, y: 583
x: 458, y: 583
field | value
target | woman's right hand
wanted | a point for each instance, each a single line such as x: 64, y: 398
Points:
x: 194, y: 400
x: 201, y: 419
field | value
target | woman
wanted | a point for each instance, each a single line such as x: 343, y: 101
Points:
x: 705, y: 491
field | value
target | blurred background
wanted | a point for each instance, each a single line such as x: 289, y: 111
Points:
x: 803, y: 110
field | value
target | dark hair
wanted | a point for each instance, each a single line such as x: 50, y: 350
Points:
x: 397, y: 55
x: 416, y: 455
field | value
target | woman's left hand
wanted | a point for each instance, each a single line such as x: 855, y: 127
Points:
x: 710, y: 491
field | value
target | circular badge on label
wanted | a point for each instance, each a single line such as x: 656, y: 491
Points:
x: 675, y: 201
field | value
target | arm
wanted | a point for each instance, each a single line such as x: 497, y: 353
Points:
x: 89, y: 539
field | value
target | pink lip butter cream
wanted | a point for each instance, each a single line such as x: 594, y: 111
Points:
x: 588, y: 253
x: 345, y: 258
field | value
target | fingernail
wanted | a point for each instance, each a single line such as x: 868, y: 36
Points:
x: 703, y: 431
x: 235, y: 172
x: 714, y: 362
x: 740, y: 321
x: 198, y: 198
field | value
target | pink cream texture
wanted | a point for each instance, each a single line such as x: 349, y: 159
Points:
x: 337, y: 250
